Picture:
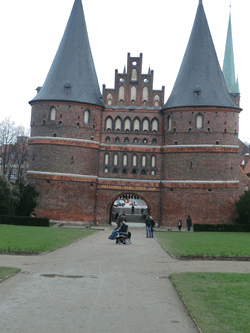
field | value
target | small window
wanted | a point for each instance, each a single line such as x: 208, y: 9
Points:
x: 145, y: 140
x: 153, y: 161
x: 125, y: 160
x: 134, y: 172
x: 67, y: 88
x: 108, y: 124
x: 118, y: 124
x: 106, y: 159
x: 52, y: 113
x: 134, y: 160
x: 117, y: 140
x: 115, y: 170
x: 169, y: 123
x: 86, y: 117
x: 106, y: 170
x: 115, y: 160
x: 126, y: 140
x: 199, y: 121
x: 124, y: 171
x: 107, y: 140
x: 136, y: 140
x: 154, y: 141
x: 144, y: 161
x: 143, y: 172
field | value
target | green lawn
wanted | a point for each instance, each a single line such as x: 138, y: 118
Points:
x: 37, y: 239
x: 5, y: 271
x: 205, y: 244
x: 219, y: 302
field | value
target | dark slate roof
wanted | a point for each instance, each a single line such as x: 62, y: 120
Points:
x: 72, y: 76
x: 200, y: 72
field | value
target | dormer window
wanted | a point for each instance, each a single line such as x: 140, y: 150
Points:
x: 197, y: 93
x: 67, y: 88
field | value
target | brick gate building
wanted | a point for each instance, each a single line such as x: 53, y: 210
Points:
x: 88, y: 148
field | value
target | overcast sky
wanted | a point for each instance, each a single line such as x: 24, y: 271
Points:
x: 31, y: 31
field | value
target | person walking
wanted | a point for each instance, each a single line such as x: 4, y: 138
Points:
x: 148, y: 222
x: 179, y: 224
x: 132, y: 209
x: 189, y: 223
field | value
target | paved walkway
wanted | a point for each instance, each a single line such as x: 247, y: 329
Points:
x: 96, y: 286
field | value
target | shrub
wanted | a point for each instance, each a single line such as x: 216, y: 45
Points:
x: 27, y: 203
x: 222, y: 227
x: 24, y: 221
x: 243, y: 208
x: 9, y: 197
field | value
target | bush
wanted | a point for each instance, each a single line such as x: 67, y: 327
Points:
x: 24, y: 221
x: 243, y: 208
x: 222, y: 227
x: 27, y: 203
x: 9, y: 197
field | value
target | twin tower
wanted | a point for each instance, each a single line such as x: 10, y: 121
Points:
x: 87, y: 148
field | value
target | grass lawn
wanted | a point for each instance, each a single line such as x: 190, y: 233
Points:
x: 219, y: 302
x: 5, y: 271
x: 18, y: 239
x: 205, y: 244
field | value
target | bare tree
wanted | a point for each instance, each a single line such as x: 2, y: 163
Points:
x: 14, y: 149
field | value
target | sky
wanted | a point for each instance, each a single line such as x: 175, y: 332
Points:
x: 31, y: 31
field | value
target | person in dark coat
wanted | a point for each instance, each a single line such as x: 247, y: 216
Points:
x: 149, y: 221
x: 189, y: 223
x: 179, y: 224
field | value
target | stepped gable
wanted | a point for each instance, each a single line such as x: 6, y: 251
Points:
x: 200, y: 81
x: 72, y: 75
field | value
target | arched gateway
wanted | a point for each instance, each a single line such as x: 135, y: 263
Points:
x: 94, y: 148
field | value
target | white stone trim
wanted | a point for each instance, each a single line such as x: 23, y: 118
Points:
x: 201, y: 181
x: 198, y: 146
x: 60, y: 174
x: 62, y: 139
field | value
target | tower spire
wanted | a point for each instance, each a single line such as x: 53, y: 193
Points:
x: 228, y: 64
x: 72, y: 75
x: 200, y: 81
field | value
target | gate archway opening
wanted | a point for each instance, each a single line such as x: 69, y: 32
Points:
x: 133, y: 206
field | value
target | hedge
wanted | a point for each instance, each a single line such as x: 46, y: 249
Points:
x: 25, y: 221
x: 222, y: 227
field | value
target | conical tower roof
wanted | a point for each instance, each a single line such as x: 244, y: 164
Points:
x: 200, y: 81
x: 228, y: 64
x: 72, y: 75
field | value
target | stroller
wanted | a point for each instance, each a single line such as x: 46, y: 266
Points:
x: 123, y: 238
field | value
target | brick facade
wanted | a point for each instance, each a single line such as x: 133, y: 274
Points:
x: 179, y: 161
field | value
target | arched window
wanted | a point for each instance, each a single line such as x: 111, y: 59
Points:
x: 145, y: 94
x: 153, y: 161
x: 127, y: 125
x: 134, y: 75
x: 109, y: 99
x: 115, y: 160
x: 144, y: 161
x: 134, y: 160
x: 106, y: 159
x: 107, y: 139
x: 145, y: 125
x: 117, y: 140
x: 86, y: 116
x: 133, y: 94
x: 121, y: 93
x: 169, y: 123
x: 199, y: 121
x: 52, y: 113
x: 136, y: 125
x: 155, y: 125
x: 118, y: 124
x: 125, y: 160
x: 157, y: 100
x: 108, y: 124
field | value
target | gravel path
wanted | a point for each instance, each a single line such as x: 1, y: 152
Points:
x: 95, y: 285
